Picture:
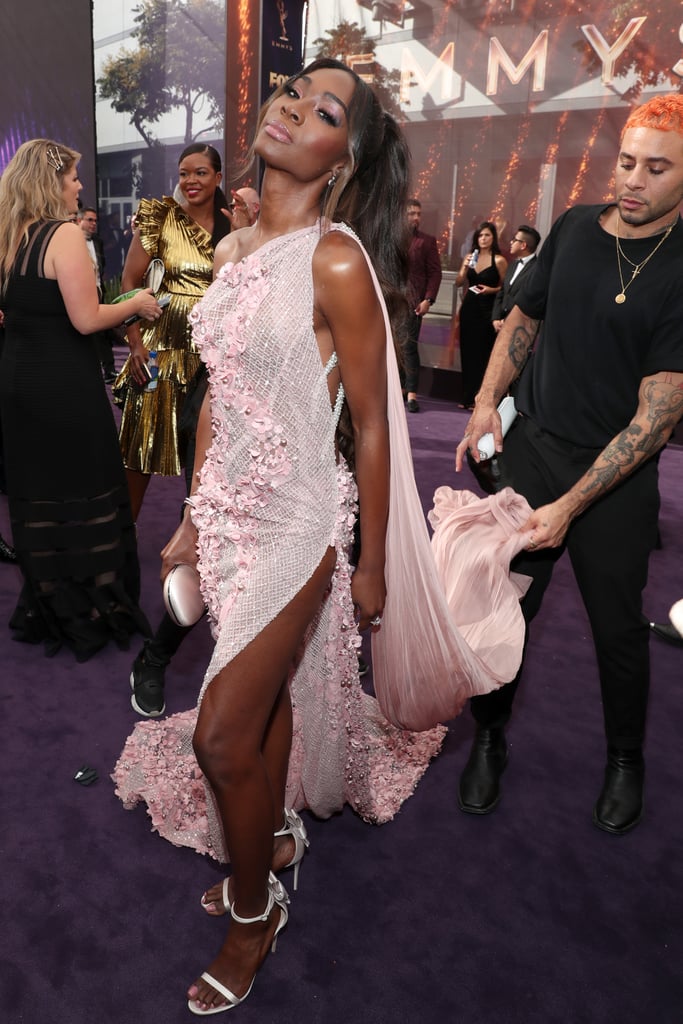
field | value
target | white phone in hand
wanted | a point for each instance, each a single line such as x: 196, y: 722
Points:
x: 507, y: 413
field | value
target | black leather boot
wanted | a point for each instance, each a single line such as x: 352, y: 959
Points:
x: 479, y: 789
x: 7, y: 553
x: 620, y: 805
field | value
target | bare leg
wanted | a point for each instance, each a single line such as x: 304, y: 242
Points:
x: 137, y: 486
x: 276, y: 747
x: 275, y: 750
x: 243, y: 725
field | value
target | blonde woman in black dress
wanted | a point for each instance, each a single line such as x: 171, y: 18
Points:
x: 68, y: 500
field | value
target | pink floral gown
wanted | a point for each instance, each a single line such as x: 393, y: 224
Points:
x: 272, y: 498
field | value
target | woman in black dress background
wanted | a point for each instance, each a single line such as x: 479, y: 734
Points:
x: 68, y: 500
x: 481, y: 275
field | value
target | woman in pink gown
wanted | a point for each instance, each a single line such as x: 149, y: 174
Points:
x: 293, y: 437
x: 292, y: 330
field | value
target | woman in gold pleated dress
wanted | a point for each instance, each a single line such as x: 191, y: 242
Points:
x: 183, y: 235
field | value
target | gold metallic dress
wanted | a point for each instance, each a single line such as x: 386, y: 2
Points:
x: 149, y: 424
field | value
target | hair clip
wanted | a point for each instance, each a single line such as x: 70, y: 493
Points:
x: 54, y: 158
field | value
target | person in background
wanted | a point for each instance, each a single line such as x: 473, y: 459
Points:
x: 87, y: 221
x: 481, y: 276
x: 523, y: 251
x: 522, y: 257
x: 68, y: 500
x: 244, y: 208
x: 7, y: 552
x: 183, y: 235
x: 600, y: 398
x: 424, y: 279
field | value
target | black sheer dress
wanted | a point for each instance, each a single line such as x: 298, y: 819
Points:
x: 66, y: 486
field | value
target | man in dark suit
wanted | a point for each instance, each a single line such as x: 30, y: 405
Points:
x: 522, y: 256
x: 87, y: 220
x: 424, y: 278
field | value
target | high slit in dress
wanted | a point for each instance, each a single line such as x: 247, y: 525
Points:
x: 273, y: 496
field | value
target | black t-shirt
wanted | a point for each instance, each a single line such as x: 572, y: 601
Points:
x: 592, y: 353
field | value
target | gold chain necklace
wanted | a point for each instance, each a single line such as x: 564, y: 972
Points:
x: 637, y: 267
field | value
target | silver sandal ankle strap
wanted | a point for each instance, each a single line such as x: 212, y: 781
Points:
x: 276, y: 894
x: 260, y: 917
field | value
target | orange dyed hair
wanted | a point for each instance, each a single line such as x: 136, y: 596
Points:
x: 662, y: 112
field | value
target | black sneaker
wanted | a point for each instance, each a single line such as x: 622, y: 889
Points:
x: 147, y: 683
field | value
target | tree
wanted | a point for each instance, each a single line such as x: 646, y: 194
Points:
x: 349, y: 39
x: 179, y: 64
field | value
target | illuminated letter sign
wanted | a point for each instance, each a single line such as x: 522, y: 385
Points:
x: 356, y: 60
x: 537, y: 54
x: 608, y: 54
x: 443, y: 67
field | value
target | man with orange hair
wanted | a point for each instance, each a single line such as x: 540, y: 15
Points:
x: 599, y: 399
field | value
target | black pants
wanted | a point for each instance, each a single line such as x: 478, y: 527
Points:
x: 609, y: 547
x: 411, y: 355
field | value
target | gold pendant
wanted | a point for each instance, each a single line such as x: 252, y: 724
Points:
x: 620, y: 298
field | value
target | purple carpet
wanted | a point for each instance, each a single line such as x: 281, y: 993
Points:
x: 527, y: 916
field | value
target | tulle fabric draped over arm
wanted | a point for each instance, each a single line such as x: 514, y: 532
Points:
x: 424, y: 666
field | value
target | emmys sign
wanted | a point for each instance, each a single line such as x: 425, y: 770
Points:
x: 282, y: 42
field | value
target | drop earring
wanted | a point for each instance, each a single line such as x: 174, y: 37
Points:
x: 333, y: 181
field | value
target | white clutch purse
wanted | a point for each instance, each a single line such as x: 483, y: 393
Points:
x: 182, y: 596
x: 676, y: 616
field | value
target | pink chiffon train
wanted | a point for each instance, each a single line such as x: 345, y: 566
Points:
x: 431, y: 654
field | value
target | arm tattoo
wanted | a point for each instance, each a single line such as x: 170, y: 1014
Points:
x: 521, y: 341
x: 618, y: 459
x: 661, y: 402
x: 664, y: 406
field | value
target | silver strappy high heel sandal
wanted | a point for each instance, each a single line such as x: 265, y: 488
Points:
x: 277, y: 896
x: 294, y: 827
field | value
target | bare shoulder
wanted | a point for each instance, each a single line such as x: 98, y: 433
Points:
x: 234, y: 247
x: 227, y: 251
x: 66, y: 251
x: 68, y: 232
x: 339, y: 260
x: 66, y: 239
